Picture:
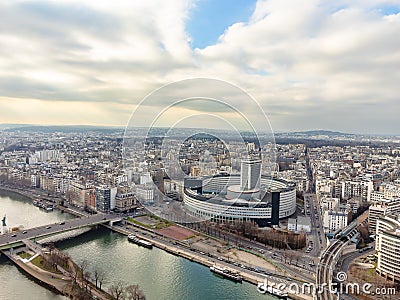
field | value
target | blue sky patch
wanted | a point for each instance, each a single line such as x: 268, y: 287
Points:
x: 210, y: 18
x: 390, y: 10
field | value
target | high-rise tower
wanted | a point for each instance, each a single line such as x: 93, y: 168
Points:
x: 250, y: 174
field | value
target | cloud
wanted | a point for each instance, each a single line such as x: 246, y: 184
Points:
x: 310, y: 64
x: 316, y: 55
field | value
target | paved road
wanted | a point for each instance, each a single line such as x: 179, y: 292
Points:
x: 347, y: 259
x: 143, y: 233
x: 55, y: 228
x: 273, y: 254
x: 316, y: 221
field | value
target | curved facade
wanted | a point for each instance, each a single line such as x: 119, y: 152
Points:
x: 388, y: 247
x: 214, y: 198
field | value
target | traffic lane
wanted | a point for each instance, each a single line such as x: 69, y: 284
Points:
x: 54, y: 227
x: 166, y: 241
x: 348, y: 258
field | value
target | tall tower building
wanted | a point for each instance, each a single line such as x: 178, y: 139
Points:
x: 103, y: 199
x: 250, y: 174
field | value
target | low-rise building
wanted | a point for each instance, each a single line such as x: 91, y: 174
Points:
x: 292, y: 224
x: 334, y: 220
x: 303, y: 224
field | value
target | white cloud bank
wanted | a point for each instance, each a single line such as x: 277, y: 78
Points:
x: 311, y: 64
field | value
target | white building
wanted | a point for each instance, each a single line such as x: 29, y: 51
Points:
x: 334, y: 220
x: 388, y: 247
x: 250, y: 173
x: 145, y: 194
x: 278, y: 202
x: 35, y: 180
x: 303, y: 224
x: 353, y: 205
x: 292, y: 224
x: 377, y: 196
x: 362, y: 189
x: 328, y: 203
x: 380, y: 209
x: 145, y: 178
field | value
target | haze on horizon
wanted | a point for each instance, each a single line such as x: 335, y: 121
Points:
x: 310, y: 64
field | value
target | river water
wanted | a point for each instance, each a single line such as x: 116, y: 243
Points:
x: 159, y: 274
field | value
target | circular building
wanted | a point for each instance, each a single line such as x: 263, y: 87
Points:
x: 225, y: 197
x: 388, y: 246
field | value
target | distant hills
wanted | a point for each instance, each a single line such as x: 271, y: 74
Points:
x: 319, y: 132
x: 94, y: 128
x: 10, y: 126
x: 58, y: 128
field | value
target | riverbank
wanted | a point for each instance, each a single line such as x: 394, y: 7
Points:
x: 57, y: 280
x: 199, y: 258
x: 27, y: 194
x: 50, y: 282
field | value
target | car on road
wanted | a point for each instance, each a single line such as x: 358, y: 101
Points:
x: 48, y: 227
x: 62, y: 223
x: 14, y: 235
x: 24, y: 232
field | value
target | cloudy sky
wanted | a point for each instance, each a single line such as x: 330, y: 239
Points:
x: 310, y: 64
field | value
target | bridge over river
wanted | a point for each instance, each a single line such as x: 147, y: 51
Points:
x: 15, y: 239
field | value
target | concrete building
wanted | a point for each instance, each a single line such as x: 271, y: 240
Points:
x: 103, y: 199
x: 250, y: 173
x: 388, y: 247
x: 334, y: 220
x: 213, y: 197
x: 353, y: 205
x: 362, y: 189
x: 125, y: 199
x: 145, y: 193
x: 303, y: 224
x: 292, y: 224
x: 381, y: 209
x: 328, y: 203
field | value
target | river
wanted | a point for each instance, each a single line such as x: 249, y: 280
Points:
x: 159, y: 274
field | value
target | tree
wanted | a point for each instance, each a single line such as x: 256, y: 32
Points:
x: 82, y: 268
x: 117, y: 289
x: 99, y: 276
x: 102, y: 278
x: 87, y: 275
x: 134, y: 293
